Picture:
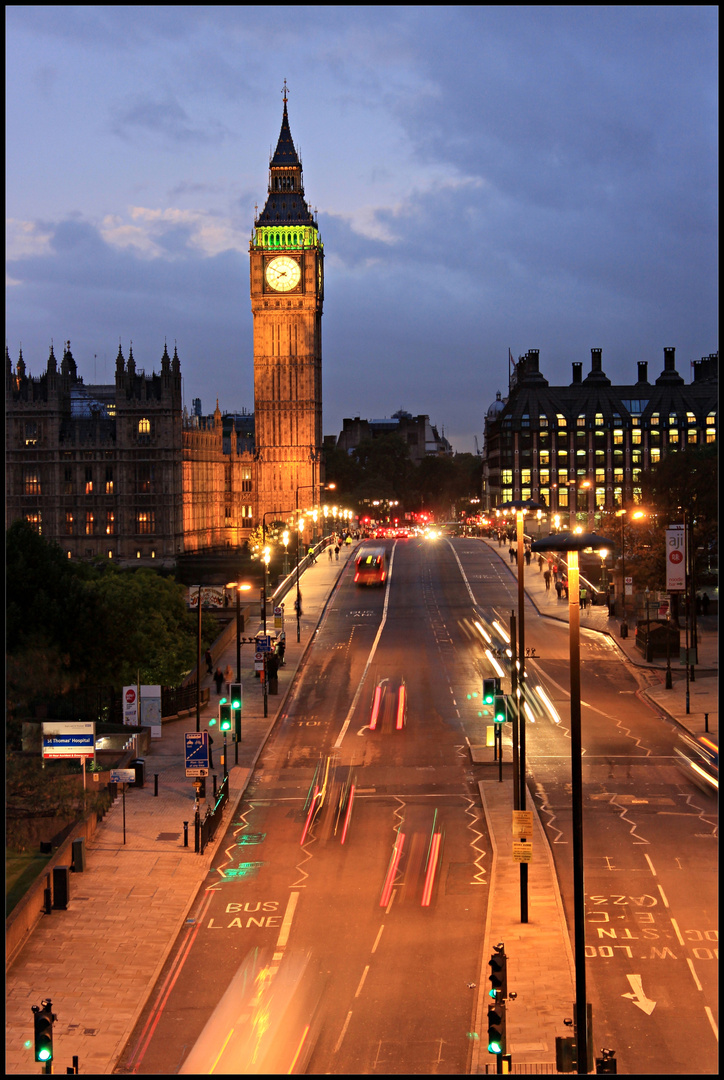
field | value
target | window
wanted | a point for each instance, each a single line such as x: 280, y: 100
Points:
x: 599, y: 419
x: 109, y: 480
x: 31, y: 482
x: 246, y: 480
x: 144, y: 478
x: 543, y: 421
x: 635, y: 457
x: 90, y: 522
x: 600, y: 497
x: 654, y: 456
x: 144, y: 427
x: 89, y: 480
x: 145, y: 521
x: 581, y: 420
x: 563, y: 498
x: 711, y: 434
x: 600, y: 476
x: 525, y: 478
x: 673, y: 435
x: 68, y: 481
x: 506, y: 476
x: 31, y: 433
x: 544, y: 476
x: 69, y: 523
x: 636, y: 436
x: 691, y: 435
x: 110, y: 522
x: 618, y: 476
x: 618, y: 436
x: 561, y: 420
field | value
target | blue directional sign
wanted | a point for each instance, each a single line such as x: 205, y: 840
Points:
x: 197, y: 753
x: 263, y: 642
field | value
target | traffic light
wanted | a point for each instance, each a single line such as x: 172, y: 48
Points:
x: 500, y: 713
x: 498, y: 964
x: 235, y: 694
x: 491, y: 687
x: 44, y: 1019
x: 496, y: 1028
x: 225, y: 717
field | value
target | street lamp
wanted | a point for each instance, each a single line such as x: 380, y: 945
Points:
x: 266, y: 558
x: 520, y: 508
x: 622, y: 514
x: 239, y: 587
x: 285, y: 541
x: 572, y: 543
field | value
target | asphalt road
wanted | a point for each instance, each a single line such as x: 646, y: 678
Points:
x: 363, y: 952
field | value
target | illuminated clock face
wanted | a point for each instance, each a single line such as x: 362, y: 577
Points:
x: 283, y: 273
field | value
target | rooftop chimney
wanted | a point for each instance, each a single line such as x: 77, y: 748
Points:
x: 596, y: 359
x: 643, y: 371
x: 577, y: 371
x: 669, y: 374
x: 669, y: 359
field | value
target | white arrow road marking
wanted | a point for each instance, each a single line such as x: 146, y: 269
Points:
x: 638, y: 996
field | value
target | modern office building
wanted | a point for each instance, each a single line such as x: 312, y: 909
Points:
x: 419, y: 435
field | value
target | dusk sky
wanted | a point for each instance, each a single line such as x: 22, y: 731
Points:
x: 486, y: 179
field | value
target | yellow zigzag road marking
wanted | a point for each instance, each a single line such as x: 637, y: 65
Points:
x: 478, y: 877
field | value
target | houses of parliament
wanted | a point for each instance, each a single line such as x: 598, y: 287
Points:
x: 122, y: 471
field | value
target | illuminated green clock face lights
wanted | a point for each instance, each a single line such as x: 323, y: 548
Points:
x: 283, y: 273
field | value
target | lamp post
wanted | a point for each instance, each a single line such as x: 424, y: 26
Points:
x: 571, y: 544
x: 520, y: 508
x: 622, y: 514
x: 198, y: 665
x: 285, y: 541
x: 239, y: 587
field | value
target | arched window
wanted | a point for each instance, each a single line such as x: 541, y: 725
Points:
x: 144, y: 427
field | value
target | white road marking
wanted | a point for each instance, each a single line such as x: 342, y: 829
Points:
x: 377, y: 939
x: 712, y: 1021
x: 638, y: 996
x: 344, y: 1032
x: 676, y: 928
x: 287, y: 921
x: 693, y: 974
x: 358, y: 991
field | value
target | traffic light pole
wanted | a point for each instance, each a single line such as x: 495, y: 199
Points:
x: 513, y: 688
x: 519, y: 707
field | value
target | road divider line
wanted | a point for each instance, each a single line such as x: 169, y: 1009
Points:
x: 358, y: 991
x: 377, y: 939
x: 678, y: 932
x: 344, y: 1032
x: 694, y: 976
x: 373, y: 650
x: 287, y: 921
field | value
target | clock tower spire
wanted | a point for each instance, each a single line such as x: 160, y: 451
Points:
x: 286, y: 284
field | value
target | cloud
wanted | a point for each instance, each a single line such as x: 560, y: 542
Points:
x: 163, y: 116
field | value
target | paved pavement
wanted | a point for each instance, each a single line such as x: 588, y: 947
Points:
x: 99, y: 959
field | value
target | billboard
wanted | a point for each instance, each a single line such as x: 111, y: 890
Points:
x: 675, y: 559
x: 69, y: 739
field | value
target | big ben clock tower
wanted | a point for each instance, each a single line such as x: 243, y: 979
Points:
x: 287, y: 288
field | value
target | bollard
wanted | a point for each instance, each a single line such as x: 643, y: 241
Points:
x: 214, y: 787
x: 155, y: 784
x: 186, y: 834
x: 706, y: 721
x: 47, y: 903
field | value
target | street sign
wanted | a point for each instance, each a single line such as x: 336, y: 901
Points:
x: 196, y: 753
x: 263, y: 643
x: 259, y: 661
x: 522, y: 851
x: 69, y: 739
x: 522, y: 823
x: 123, y: 776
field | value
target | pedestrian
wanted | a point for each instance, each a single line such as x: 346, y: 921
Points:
x: 527, y: 556
x: 209, y: 663
x: 218, y: 679
x: 298, y: 606
x: 582, y: 597
x: 279, y: 650
x: 565, y: 586
x: 500, y: 539
x: 511, y: 553
x: 329, y: 549
x: 540, y: 564
x: 310, y: 553
x: 555, y: 570
x: 547, y: 579
x: 336, y: 552
x: 211, y: 752
x: 705, y: 603
x: 559, y: 588
x: 228, y: 679
x: 272, y: 673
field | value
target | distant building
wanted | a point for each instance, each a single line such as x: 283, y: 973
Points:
x: 543, y: 442
x: 419, y: 435
x: 119, y: 470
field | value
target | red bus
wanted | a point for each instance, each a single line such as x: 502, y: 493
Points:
x: 370, y: 567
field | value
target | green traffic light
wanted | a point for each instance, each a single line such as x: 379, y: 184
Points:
x: 44, y: 1054
x: 495, y: 1048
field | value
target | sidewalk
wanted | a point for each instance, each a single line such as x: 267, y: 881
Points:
x: 98, y: 960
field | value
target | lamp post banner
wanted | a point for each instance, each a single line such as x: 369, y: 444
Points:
x: 676, y: 559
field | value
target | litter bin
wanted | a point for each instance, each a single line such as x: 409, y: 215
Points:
x: 61, y: 887
x: 78, y: 845
x: 139, y: 764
